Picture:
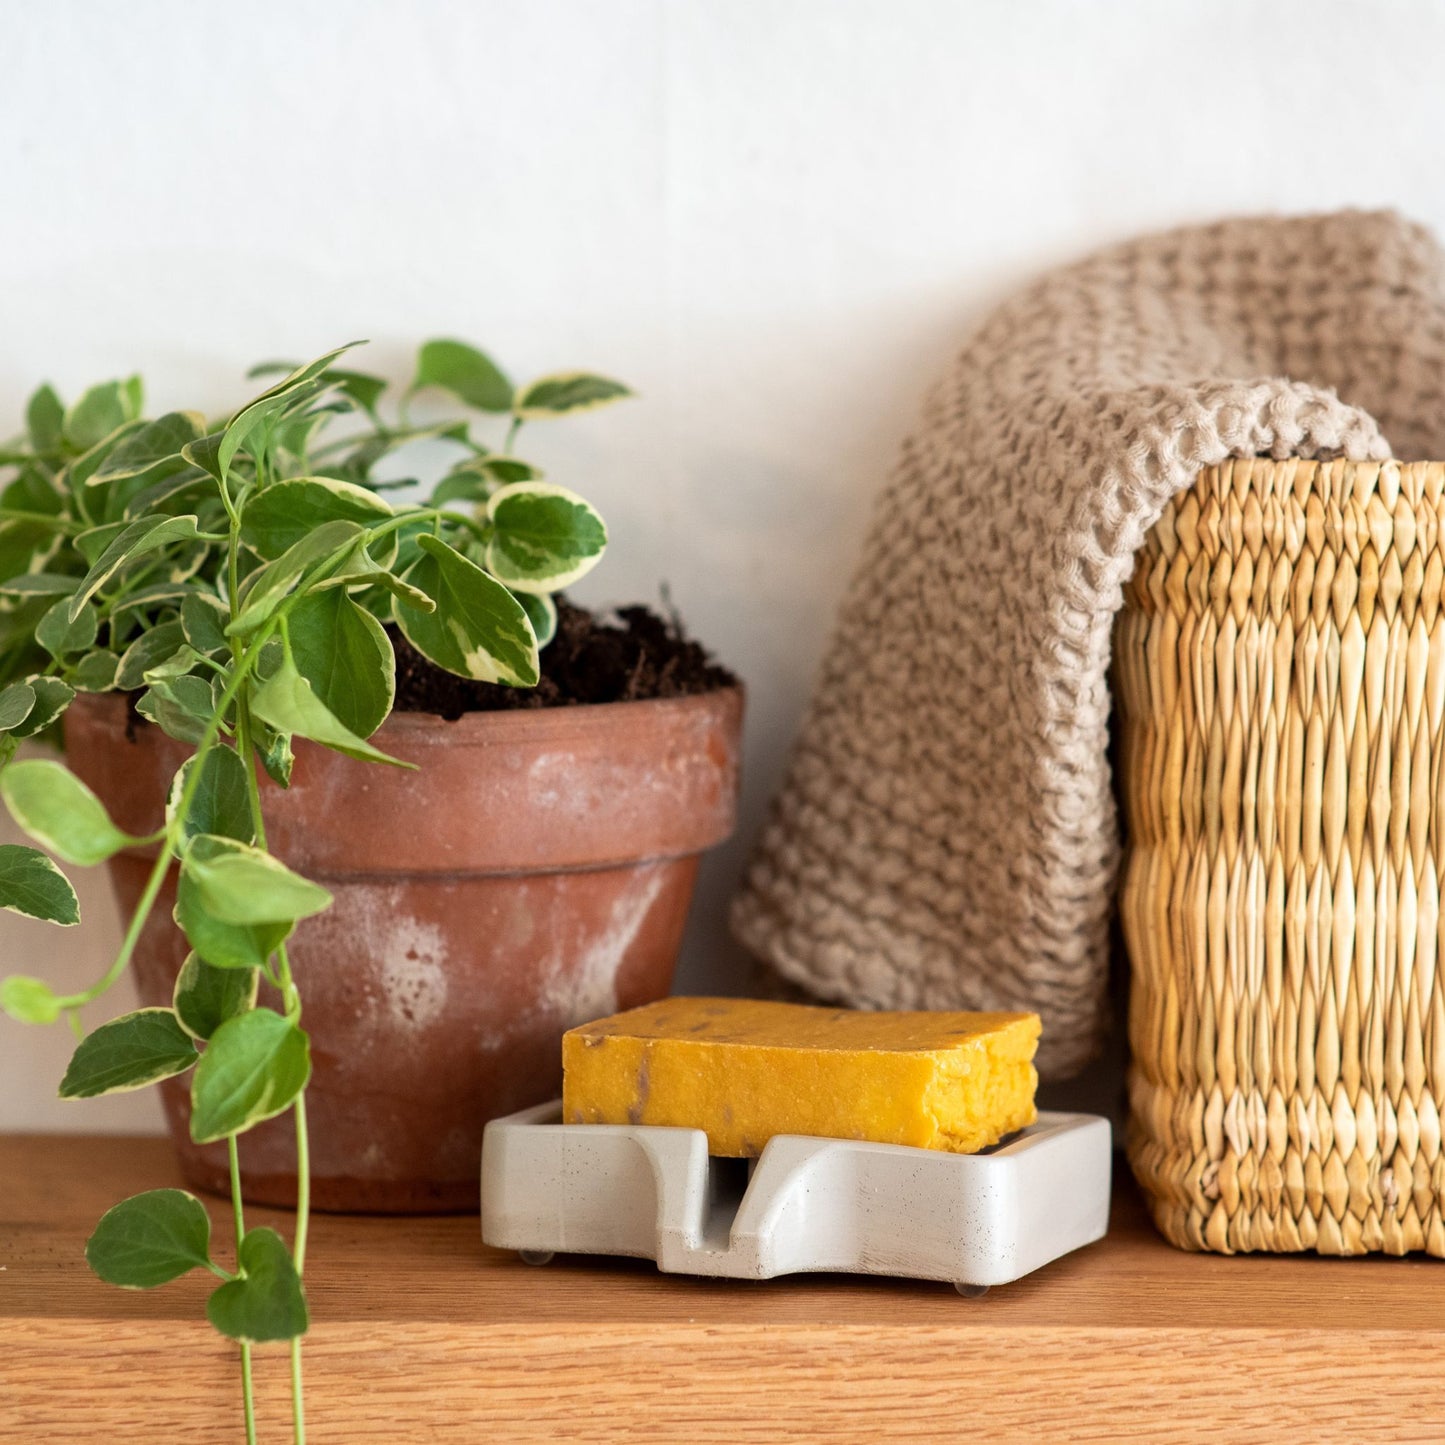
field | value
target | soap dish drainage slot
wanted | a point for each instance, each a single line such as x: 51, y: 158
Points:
x: 727, y: 1185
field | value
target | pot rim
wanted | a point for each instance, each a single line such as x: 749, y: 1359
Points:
x: 506, y: 723
x: 595, y: 785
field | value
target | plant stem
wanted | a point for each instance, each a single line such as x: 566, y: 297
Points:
x: 132, y: 933
x: 291, y: 1001
x: 248, y: 1394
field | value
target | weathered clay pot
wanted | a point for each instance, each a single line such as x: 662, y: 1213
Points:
x: 535, y: 873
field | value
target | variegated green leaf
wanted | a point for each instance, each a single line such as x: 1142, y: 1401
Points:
x: 153, y: 451
x: 342, y: 651
x: 149, y: 650
x: 128, y: 1053
x: 544, y: 537
x: 45, y: 420
x: 287, y: 512
x: 52, y: 697
x: 263, y: 592
x: 66, y: 629
x: 566, y: 391
x: 136, y: 539
x: 465, y: 372
x: 58, y: 811
x: 256, y: 416
x: 31, y: 884
x: 478, y: 630
x: 287, y: 702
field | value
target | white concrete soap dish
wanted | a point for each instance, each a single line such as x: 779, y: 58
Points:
x: 805, y: 1205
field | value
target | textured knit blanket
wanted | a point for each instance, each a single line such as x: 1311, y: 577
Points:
x: 946, y: 836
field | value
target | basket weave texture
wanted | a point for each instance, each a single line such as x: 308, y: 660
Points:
x: 1280, y: 673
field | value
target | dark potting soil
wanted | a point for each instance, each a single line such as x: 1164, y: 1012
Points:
x: 591, y: 659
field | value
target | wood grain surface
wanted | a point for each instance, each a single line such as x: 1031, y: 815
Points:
x: 421, y: 1333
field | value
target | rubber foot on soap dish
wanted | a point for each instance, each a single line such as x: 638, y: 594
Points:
x: 972, y: 1291
x: 535, y: 1257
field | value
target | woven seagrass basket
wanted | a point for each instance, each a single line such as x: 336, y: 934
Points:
x: 1280, y: 674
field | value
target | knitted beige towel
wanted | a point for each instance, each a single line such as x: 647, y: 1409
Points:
x: 946, y: 837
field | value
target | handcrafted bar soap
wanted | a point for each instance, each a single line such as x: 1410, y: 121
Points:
x: 745, y: 1070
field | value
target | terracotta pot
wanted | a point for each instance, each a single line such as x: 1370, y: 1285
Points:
x: 535, y: 873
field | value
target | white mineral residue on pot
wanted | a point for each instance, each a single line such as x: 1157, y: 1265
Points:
x: 413, y: 971
x: 406, y: 983
x: 587, y: 989
x: 555, y: 780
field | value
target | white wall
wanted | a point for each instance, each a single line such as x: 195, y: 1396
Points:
x: 776, y: 218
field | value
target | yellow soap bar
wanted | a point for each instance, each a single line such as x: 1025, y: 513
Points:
x: 745, y: 1069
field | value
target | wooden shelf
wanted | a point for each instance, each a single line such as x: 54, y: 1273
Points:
x: 420, y: 1333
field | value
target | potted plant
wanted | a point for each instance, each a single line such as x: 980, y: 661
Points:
x: 223, y: 618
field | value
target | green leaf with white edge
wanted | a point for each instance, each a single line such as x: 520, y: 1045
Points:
x: 253, y: 1068
x: 342, y: 651
x: 180, y: 707
x: 204, y: 453
x: 541, y: 613
x: 479, y: 630
x: 286, y: 512
x: 66, y: 629
x: 95, y: 416
x: 566, y: 391
x: 26, y: 545
x: 55, y: 808
x: 77, y: 472
x: 464, y: 371
x: 149, y: 650
x: 52, y: 697
x: 365, y: 390
x: 203, y: 620
x: 94, y: 540
x: 183, y: 660
x: 16, y: 704
x: 95, y: 672
x: 257, y: 415
x: 32, y: 490
x: 206, y: 997
x: 359, y: 566
x: 268, y: 1301
x: 40, y: 584
x: 31, y: 884
x: 224, y: 945
x: 221, y: 803
x: 237, y: 883
x: 151, y: 1239
x: 544, y: 537
x: 264, y: 591
x: 135, y: 608
x: 508, y: 469
x: 135, y: 539
x: 287, y: 702
x: 128, y: 1053
x: 133, y: 397
x: 45, y: 419
x: 153, y: 451
x: 165, y: 495
x: 29, y: 1000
